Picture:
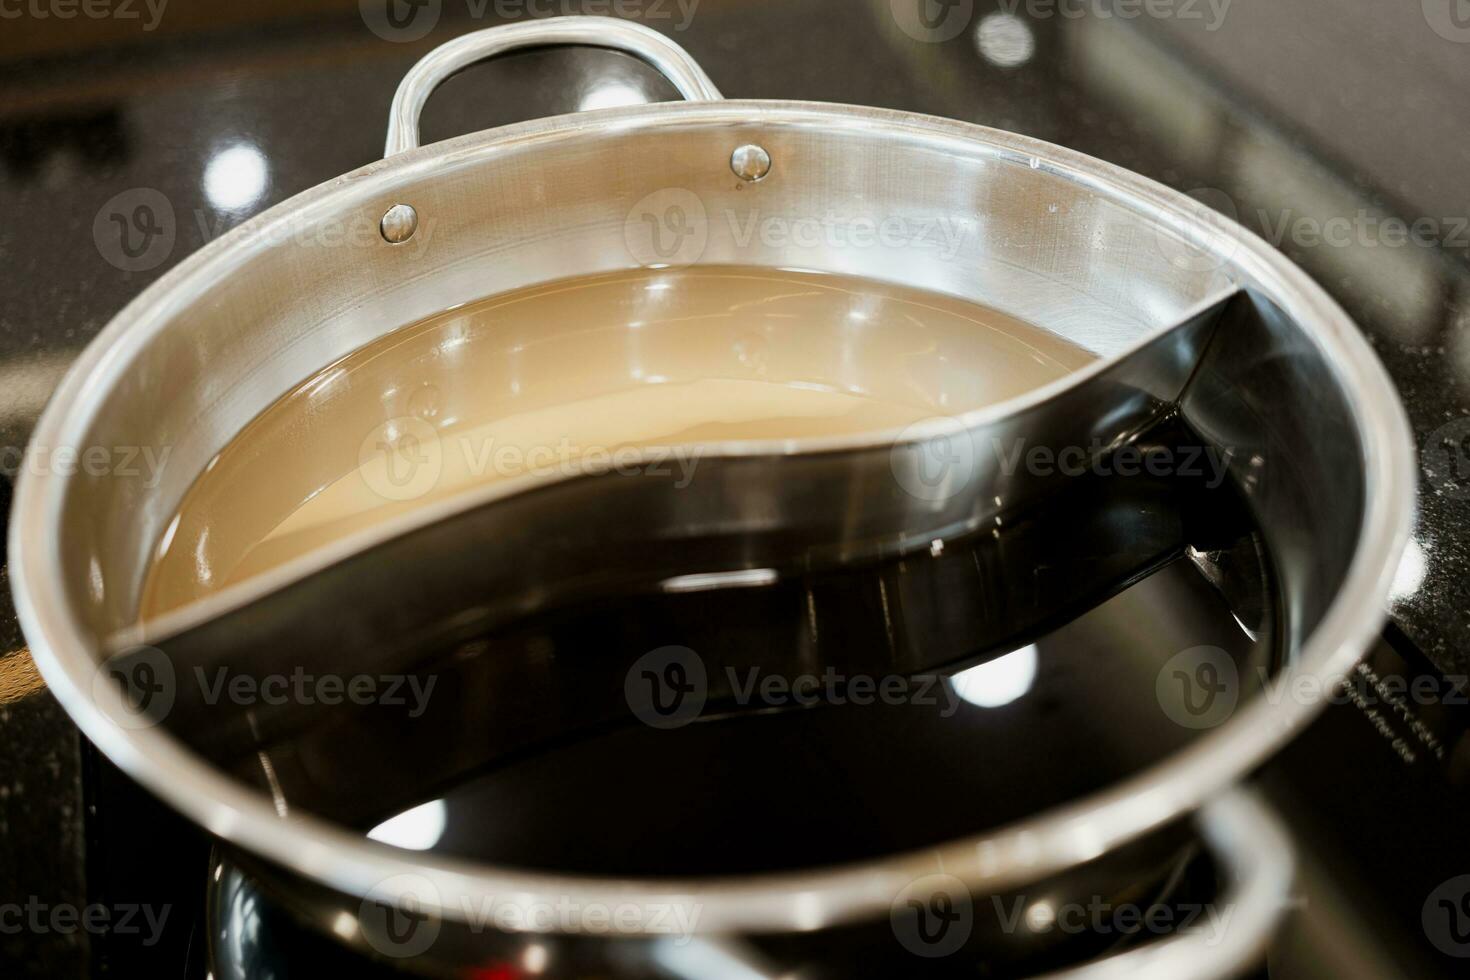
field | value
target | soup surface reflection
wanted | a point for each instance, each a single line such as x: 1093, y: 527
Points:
x: 529, y: 381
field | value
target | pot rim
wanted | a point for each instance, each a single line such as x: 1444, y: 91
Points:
x: 800, y: 900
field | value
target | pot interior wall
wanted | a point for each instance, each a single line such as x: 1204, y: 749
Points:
x: 890, y: 198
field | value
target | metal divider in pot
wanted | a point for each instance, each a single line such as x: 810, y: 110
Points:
x: 1197, y: 326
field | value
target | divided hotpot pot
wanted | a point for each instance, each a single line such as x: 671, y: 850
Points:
x: 1189, y: 314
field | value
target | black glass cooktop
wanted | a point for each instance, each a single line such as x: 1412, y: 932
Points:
x: 1337, y: 132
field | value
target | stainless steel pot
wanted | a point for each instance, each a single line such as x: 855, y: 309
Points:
x: 1096, y: 254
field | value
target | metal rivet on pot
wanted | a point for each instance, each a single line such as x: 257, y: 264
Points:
x: 750, y: 162
x: 399, y: 224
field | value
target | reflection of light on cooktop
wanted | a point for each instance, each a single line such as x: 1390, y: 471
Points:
x: 999, y: 681
x: 1005, y: 40
x: 416, y: 830
x: 236, y: 177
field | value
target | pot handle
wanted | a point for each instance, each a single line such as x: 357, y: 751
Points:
x: 1247, y: 839
x: 1250, y: 843
x: 648, y: 45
